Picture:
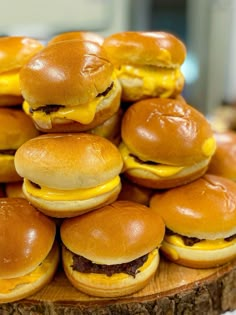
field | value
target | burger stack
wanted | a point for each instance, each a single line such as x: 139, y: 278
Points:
x: 112, y: 122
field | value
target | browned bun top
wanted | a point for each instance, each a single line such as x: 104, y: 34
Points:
x: 145, y: 48
x: 205, y: 208
x: 15, y: 128
x: 114, y: 234
x: 223, y: 162
x: 167, y: 131
x: 70, y: 72
x: 68, y: 161
x: 82, y: 35
x: 26, y: 237
x: 15, y: 51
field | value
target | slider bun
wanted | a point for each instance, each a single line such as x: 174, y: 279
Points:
x: 159, y: 49
x: 166, y: 131
x: 15, y: 51
x: 14, y: 190
x: 68, y: 161
x: 114, y: 234
x: 15, y: 128
x: 112, y: 286
x: 223, y: 162
x: 39, y: 280
x: 26, y: 237
x: 84, y: 69
x: 198, y: 209
x: 81, y: 35
x: 11, y: 100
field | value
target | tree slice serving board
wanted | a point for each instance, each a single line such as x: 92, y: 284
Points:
x: 174, y: 290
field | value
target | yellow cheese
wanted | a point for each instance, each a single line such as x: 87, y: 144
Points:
x: 157, y: 169
x: 202, y: 245
x: 83, y: 113
x: 9, y: 83
x: 209, y: 147
x: 7, y: 285
x: 154, y: 79
x: 76, y: 194
x: 120, y: 276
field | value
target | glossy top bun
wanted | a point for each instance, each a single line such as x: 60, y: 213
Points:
x: 145, y: 48
x: 167, y: 131
x: 26, y: 237
x: 205, y: 208
x: 15, y: 51
x: 114, y: 234
x: 15, y: 128
x: 68, y: 161
x: 81, y: 35
x: 223, y: 162
x: 70, y: 72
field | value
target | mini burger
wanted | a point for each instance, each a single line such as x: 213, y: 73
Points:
x: 200, y: 218
x: 147, y: 63
x: 68, y: 174
x: 15, y: 129
x: 15, y: 51
x: 70, y: 86
x: 165, y: 143
x: 112, y: 251
x: 81, y: 35
x: 223, y: 162
x: 29, y: 255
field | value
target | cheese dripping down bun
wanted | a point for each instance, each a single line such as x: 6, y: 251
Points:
x: 147, y: 63
x: 200, y: 218
x: 70, y: 173
x: 119, y: 243
x: 165, y: 143
x: 15, y: 51
x: 28, y: 253
x: 70, y: 86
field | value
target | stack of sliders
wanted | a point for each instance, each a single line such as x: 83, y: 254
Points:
x: 29, y: 254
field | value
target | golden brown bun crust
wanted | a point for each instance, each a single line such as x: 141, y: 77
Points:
x: 223, y: 162
x: 14, y: 190
x: 15, y: 51
x: 40, y: 280
x: 68, y: 160
x: 145, y: 48
x: 199, y: 208
x: 71, y: 72
x: 166, y: 131
x: 15, y: 128
x: 108, y: 286
x: 11, y: 100
x: 31, y: 241
x: 81, y: 35
x: 133, y: 192
x: 117, y: 233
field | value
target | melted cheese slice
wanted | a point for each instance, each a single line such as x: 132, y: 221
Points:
x: 76, y: 194
x: 202, y: 245
x: 157, y: 169
x: 83, y: 113
x: 7, y: 285
x: 154, y: 78
x: 9, y: 83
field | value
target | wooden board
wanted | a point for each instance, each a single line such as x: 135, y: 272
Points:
x: 174, y: 290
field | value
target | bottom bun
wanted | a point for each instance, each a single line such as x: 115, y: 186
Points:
x: 119, y: 284
x: 7, y: 169
x: 14, y: 189
x: 18, y: 288
x: 198, y: 258
x: 11, y: 100
x: 71, y: 208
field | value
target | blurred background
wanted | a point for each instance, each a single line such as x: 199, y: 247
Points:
x: 207, y: 27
